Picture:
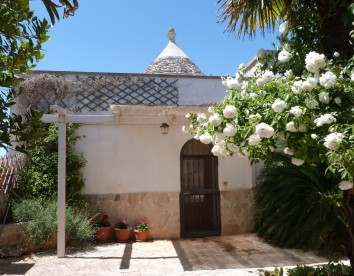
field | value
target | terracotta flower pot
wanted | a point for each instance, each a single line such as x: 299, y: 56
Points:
x: 122, y: 235
x: 140, y: 236
x: 102, y: 234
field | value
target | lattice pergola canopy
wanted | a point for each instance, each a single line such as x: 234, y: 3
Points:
x: 96, y: 93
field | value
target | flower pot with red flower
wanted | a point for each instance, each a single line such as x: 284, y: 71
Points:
x: 141, y: 231
x: 101, y: 224
x: 122, y: 231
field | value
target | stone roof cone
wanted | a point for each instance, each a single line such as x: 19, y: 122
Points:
x: 173, y: 61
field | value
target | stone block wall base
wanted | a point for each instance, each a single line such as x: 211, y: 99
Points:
x: 159, y: 210
x: 162, y: 211
x: 237, y: 211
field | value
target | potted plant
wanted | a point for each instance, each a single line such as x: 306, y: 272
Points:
x: 122, y: 231
x: 141, y: 231
x: 101, y: 224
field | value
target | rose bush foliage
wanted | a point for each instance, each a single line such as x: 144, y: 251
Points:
x: 308, y: 115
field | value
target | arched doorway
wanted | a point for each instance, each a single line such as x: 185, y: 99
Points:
x: 200, y: 196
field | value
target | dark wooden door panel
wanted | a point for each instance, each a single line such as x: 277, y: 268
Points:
x: 200, y: 196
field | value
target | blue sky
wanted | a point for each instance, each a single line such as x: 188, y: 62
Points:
x: 126, y: 36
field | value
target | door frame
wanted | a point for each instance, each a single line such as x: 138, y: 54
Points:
x: 215, y: 191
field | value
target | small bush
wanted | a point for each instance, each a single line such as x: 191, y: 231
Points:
x: 300, y: 207
x: 40, y: 221
x: 331, y: 270
x: 78, y: 224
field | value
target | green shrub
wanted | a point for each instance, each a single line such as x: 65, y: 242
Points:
x: 40, y: 221
x: 300, y: 207
x: 38, y: 178
x: 331, y: 270
x: 78, y: 224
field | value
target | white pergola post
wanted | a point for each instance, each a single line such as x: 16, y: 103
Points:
x: 63, y: 116
x: 61, y: 188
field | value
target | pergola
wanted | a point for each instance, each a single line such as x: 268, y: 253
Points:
x: 121, y: 114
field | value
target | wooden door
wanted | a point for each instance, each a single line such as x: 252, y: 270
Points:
x: 200, y: 196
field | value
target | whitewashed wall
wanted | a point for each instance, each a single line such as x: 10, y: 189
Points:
x: 138, y: 158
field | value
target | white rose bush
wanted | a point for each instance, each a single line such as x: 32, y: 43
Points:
x: 299, y: 103
x: 310, y: 113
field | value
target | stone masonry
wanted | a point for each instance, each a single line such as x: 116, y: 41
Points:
x: 162, y: 211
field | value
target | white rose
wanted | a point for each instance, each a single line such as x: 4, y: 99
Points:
x: 255, y: 116
x: 296, y: 111
x: 206, y: 138
x: 215, y: 120
x: 241, y: 66
x: 314, y: 136
x: 288, y: 151
x: 345, y: 185
x: 283, y: 56
x: 283, y: 28
x: 260, y: 82
x: 232, y: 147
x: 202, y: 118
x: 312, y: 81
x: 324, y: 119
x: 253, y: 95
x: 229, y: 130
x: 296, y: 90
x: 210, y: 109
x: 231, y: 83
x: 264, y: 130
x: 229, y: 111
x: 314, y: 62
x: 338, y: 100
x: 288, y: 74
x: 219, y: 137
x: 352, y: 75
x: 328, y: 80
x: 219, y: 149
x: 311, y: 104
x: 324, y: 97
x: 297, y: 162
x: 306, y: 86
x: 268, y: 76
x: 278, y: 105
x: 333, y: 140
x: 196, y: 137
x: 291, y: 127
x: 336, y: 54
x: 244, y: 85
x: 254, y: 140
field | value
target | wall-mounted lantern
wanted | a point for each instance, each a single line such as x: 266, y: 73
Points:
x: 164, y: 128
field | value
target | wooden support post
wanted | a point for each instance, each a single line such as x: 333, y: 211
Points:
x: 61, y: 189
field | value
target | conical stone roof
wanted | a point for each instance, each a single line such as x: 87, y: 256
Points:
x: 173, y: 61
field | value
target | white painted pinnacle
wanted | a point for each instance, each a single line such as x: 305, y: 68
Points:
x: 172, y: 50
x: 171, y: 35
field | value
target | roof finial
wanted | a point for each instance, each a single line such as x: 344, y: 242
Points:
x: 171, y: 35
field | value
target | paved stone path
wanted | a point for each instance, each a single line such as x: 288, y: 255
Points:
x: 229, y: 255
